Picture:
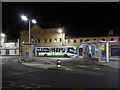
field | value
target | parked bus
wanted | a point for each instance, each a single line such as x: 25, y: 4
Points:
x: 56, y: 51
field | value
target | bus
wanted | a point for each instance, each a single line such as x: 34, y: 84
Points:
x: 56, y: 51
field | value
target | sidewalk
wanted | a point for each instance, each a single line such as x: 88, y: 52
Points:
x: 113, y: 62
x: 42, y: 64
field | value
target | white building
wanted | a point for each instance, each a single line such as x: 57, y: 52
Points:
x: 10, y: 48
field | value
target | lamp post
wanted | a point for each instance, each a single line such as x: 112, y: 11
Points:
x: 29, y: 20
x: 60, y: 31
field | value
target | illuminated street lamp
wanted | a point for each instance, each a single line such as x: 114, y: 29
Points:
x: 60, y: 31
x: 29, y: 20
x: 2, y: 35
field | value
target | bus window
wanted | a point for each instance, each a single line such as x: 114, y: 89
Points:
x: 57, y: 49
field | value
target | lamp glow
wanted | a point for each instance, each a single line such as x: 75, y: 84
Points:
x: 33, y: 21
x: 60, y: 31
x: 2, y: 35
x: 24, y: 18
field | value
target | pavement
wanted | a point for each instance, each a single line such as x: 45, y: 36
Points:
x: 51, y: 63
x: 81, y: 74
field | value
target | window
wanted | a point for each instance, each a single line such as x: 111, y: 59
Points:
x: 75, y: 41
x: 45, y: 40
x: 60, y: 39
x: 50, y: 40
x: 23, y: 42
x: 119, y: 39
x: 94, y: 39
x: 87, y: 39
x: 112, y: 39
x: 55, y: 40
x: 103, y: 39
x: 56, y: 31
x: 15, y: 51
x: 32, y: 40
x: 81, y: 40
x: 35, y: 41
x: 68, y: 41
x: 39, y: 41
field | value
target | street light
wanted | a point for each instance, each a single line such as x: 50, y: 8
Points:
x: 2, y: 35
x: 60, y: 31
x: 29, y: 20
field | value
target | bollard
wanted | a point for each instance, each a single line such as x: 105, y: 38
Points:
x: 19, y: 60
x: 58, y: 63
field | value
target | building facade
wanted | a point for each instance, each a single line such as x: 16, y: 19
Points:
x: 51, y: 37
x: 8, y: 48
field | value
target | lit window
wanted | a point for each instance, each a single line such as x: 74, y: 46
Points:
x: 87, y: 39
x: 50, y: 40
x: 32, y: 40
x: 81, y: 40
x: 39, y: 41
x: 45, y: 40
x: 55, y: 40
x: 68, y: 41
x: 35, y: 41
x: 56, y: 31
x: 75, y: 41
x: 60, y: 39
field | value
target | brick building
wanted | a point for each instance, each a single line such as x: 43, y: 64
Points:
x: 51, y: 37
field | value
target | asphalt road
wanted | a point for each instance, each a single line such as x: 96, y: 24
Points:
x: 80, y: 75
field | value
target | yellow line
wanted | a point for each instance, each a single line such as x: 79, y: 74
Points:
x: 12, y: 83
x: 82, y: 66
x: 23, y: 86
x: 43, y: 86
x: 28, y: 87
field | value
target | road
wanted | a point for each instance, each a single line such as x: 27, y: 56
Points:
x: 79, y: 75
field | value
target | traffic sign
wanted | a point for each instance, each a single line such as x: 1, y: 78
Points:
x: 102, y: 47
x: 27, y: 48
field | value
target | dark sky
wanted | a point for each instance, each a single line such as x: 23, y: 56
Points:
x: 80, y: 19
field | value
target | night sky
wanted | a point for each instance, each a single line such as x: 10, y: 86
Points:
x: 80, y: 19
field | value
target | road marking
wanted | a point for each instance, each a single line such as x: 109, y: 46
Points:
x: 68, y: 68
x: 82, y: 66
x: 23, y: 86
x: 27, y: 87
x: 12, y: 83
x: 43, y: 86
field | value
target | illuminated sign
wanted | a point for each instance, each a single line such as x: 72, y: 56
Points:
x: 27, y: 48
